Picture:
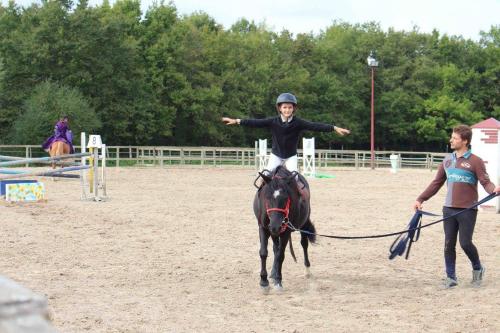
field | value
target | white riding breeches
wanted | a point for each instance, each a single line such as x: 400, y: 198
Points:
x: 290, y: 163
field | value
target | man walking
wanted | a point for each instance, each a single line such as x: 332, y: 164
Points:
x: 462, y: 170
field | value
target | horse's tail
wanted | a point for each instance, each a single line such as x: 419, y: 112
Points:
x: 311, y: 231
x: 291, y: 250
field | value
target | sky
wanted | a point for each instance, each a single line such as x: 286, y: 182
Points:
x: 452, y: 17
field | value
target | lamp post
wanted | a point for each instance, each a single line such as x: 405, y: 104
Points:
x: 373, y: 63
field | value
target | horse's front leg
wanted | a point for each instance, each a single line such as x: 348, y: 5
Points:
x: 276, y: 243
x: 264, y: 237
x: 278, y: 260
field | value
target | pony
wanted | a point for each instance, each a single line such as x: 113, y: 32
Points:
x: 277, y: 203
x: 58, y: 148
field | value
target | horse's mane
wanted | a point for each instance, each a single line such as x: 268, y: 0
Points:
x: 281, y: 172
x: 280, y: 176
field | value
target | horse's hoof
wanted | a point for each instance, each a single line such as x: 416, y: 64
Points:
x: 308, y: 273
x: 265, y: 290
x: 278, y: 287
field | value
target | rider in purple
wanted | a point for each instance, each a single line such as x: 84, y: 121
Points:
x: 61, y: 133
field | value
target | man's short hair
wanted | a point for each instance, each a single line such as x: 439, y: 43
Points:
x: 464, y: 131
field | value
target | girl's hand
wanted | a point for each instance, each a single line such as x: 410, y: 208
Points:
x: 341, y: 131
x: 229, y: 121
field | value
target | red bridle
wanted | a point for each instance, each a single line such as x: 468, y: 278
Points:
x: 285, y: 212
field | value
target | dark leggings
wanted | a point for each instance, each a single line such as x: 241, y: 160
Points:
x: 463, y: 225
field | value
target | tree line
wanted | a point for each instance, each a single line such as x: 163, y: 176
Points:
x: 161, y: 78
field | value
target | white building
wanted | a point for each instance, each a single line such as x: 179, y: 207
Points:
x: 486, y: 144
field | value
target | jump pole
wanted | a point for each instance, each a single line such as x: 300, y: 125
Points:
x: 21, y: 172
x: 308, y: 158
x: 14, y: 158
x: 41, y: 159
x: 45, y: 173
x: 262, y: 157
x: 94, y: 144
x: 103, y: 169
x: 96, y: 174
x: 83, y: 174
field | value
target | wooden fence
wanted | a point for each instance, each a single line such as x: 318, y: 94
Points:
x: 236, y: 156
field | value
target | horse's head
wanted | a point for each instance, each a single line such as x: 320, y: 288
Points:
x: 277, y: 196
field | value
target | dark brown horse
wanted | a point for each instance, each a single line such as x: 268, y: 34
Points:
x: 277, y: 203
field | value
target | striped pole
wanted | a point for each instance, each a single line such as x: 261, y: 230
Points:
x: 96, y: 174
x: 45, y: 173
x: 103, y: 170
x: 41, y: 159
x: 83, y: 174
x: 13, y: 158
x: 21, y: 172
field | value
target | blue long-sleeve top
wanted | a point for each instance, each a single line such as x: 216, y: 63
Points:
x: 286, y: 135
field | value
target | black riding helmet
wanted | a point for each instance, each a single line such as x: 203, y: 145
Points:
x: 286, y: 98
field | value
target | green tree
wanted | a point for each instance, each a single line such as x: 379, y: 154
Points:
x: 163, y: 78
x: 48, y: 102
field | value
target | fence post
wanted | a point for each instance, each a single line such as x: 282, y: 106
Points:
x: 117, y: 157
x: 27, y: 156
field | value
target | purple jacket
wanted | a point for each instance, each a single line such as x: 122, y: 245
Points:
x: 61, y: 133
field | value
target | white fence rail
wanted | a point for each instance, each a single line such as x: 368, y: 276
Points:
x: 236, y: 156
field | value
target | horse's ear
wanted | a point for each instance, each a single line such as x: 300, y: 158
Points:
x: 265, y: 177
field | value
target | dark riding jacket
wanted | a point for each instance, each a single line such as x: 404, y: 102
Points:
x: 286, y: 134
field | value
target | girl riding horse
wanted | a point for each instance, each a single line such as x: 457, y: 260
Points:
x: 61, y: 143
x: 286, y: 129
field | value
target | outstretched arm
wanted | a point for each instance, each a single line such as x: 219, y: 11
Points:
x: 248, y: 122
x: 231, y: 121
x: 322, y: 127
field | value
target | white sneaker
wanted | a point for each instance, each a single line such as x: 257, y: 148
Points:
x: 450, y: 283
x: 477, y: 276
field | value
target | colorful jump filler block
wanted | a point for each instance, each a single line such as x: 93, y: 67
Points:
x: 25, y: 192
x: 4, y: 183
